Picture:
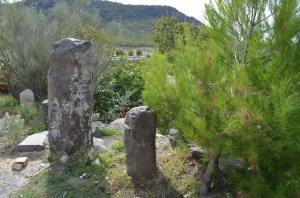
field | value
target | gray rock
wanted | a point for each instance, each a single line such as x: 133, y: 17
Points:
x: 26, y: 96
x: 227, y: 163
x: 99, y: 146
x: 35, y: 142
x: 70, y: 96
x: 44, y: 107
x: 97, y: 129
x: 173, y: 137
x: 198, y: 152
x: 139, y: 139
x: 117, y: 124
x: 64, y: 159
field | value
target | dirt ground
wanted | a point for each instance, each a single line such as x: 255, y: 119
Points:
x: 11, y: 180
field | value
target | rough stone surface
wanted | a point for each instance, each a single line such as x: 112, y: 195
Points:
x: 70, y: 97
x: 44, y: 107
x: 139, y: 139
x: 26, y: 96
x: 173, y: 136
x: 117, y: 124
x: 97, y: 129
x: 17, y: 166
x: 35, y: 142
x: 99, y: 146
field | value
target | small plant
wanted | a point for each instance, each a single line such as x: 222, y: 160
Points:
x: 118, y: 146
x: 32, y: 117
x: 111, y: 132
x: 8, y: 104
x: 120, y: 52
x: 130, y: 53
x: 14, y: 129
x: 139, y: 52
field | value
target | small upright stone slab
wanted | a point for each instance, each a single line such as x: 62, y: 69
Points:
x: 44, y: 107
x: 26, y: 96
x: 139, y: 138
x: 35, y: 142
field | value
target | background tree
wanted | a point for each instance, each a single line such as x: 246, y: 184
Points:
x: 164, y: 34
x: 237, y: 93
x: 28, y: 37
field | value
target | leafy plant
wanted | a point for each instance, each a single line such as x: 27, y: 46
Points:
x: 130, y: 53
x: 118, y: 90
x: 139, y: 52
x: 237, y: 92
x: 14, y: 129
x: 118, y: 146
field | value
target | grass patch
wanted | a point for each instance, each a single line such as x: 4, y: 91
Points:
x: 112, y: 132
x: 119, y: 146
x: 8, y: 104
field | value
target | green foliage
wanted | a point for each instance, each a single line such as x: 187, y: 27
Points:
x: 164, y: 34
x: 14, y: 129
x: 238, y: 91
x: 139, y: 52
x: 4, y: 89
x: 118, y: 146
x: 118, y: 90
x: 32, y: 117
x: 120, y: 52
x: 130, y: 53
x: 112, y: 132
x: 8, y: 104
x: 28, y: 36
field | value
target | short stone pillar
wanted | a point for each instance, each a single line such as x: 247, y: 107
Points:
x: 139, y: 138
x: 26, y: 97
x: 70, y: 97
x: 44, y: 107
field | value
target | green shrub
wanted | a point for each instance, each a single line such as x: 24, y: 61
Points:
x: 118, y: 146
x: 120, y: 52
x: 14, y: 129
x: 139, y: 52
x: 32, y: 117
x: 118, y: 90
x: 130, y: 53
x: 8, y: 104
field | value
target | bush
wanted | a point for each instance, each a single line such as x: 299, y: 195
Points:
x: 130, y: 53
x: 32, y: 117
x: 120, y: 52
x: 139, y: 52
x: 118, y: 90
x: 8, y: 104
x: 14, y: 129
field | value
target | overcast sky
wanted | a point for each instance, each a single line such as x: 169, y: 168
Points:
x: 193, y: 8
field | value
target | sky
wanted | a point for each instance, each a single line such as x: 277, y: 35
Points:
x: 194, y: 8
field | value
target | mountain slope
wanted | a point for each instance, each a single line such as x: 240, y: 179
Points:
x: 130, y: 25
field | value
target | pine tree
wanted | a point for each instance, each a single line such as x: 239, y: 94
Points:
x: 238, y: 92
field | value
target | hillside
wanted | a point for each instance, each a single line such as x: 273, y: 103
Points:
x: 131, y: 25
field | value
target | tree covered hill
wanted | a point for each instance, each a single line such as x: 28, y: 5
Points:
x: 130, y: 25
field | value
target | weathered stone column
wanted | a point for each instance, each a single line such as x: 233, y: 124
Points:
x: 70, y: 97
x: 139, y: 138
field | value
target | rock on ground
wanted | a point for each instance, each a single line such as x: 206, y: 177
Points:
x: 35, y: 142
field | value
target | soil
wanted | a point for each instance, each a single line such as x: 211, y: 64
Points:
x: 11, y: 180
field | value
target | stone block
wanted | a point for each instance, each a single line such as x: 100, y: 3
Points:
x: 139, y: 138
x: 16, y: 166
x: 26, y: 97
x: 22, y: 160
x: 35, y: 142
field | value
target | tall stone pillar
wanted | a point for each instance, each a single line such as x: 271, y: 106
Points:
x: 139, y: 138
x: 70, y: 96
